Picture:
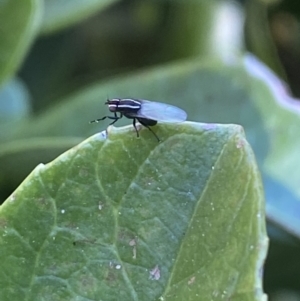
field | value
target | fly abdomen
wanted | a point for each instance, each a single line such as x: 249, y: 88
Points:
x: 147, y: 122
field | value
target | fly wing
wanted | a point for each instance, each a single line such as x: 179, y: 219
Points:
x: 161, y: 112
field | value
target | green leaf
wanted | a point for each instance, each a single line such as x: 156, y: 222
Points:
x: 122, y: 218
x: 60, y: 14
x: 19, y: 22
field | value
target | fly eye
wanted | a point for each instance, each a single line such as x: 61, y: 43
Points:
x: 113, y: 108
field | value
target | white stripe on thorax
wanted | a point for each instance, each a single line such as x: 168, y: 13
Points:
x: 125, y: 106
x: 130, y: 100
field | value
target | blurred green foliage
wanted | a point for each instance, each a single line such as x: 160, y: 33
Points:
x: 60, y: 60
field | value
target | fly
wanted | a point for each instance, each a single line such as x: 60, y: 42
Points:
x: 146, y: 112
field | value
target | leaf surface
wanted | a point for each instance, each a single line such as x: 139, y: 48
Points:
x: 121, y: 218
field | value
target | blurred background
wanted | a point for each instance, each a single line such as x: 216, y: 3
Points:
x: 60, y: 60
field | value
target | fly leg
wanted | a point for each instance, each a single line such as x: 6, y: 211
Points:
x: 133, y: 123
x: 148, y: 127
x: 115, y: 118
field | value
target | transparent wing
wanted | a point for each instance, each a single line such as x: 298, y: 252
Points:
x: 161, y: 112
